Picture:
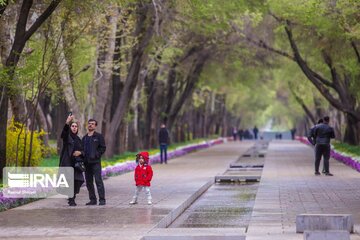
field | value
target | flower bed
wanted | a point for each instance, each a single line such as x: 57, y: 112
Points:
x: 131, y: 165
x: 120, y: 168
x: 352, y: 161
x: 7, y: 203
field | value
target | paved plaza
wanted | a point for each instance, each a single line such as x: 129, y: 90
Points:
x: 288, y: 187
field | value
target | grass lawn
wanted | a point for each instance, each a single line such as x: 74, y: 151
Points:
x: 53, y: 161
x: 346, y: 148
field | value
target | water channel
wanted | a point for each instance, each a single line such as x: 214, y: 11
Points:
x: 229, y: 202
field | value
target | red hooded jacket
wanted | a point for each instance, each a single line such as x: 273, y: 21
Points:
x: 143, y: 173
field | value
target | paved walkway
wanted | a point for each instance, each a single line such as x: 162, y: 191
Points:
x: 172, y: 184
x: 287, y: 188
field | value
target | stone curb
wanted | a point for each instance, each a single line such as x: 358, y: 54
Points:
x: 175, y: 213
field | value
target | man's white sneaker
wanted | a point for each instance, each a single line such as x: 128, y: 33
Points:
x: 133, y: 202
x: 149, y: 202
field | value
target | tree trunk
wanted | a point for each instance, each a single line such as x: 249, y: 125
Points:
x: 22, y: 35
x: 67, y: 87
x: 3, y: 127
x: 104, y: 66
x: 145, y: 33
x: 41, y: 119
x: 134, y: 139
x: 59, y: 122
x: 352, y: 130
x: 191, y: 81
x: 150, y: 88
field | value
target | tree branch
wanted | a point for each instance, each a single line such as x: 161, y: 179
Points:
x: 334, y: 75
x: 314, y: 78
x: 353, y: 44
x: 263, y: 45
x: 191, y: 81
x: 23, y: 17
x: 306, y: 70
x: 40, y: 20
x: 3, y: 7
x: 304, y: 66
x: 302, y: 104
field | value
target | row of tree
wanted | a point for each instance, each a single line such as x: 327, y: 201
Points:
x: 199, y: 66
x: 128, y: 64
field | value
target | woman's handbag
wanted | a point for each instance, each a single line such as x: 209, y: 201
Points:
x: 79, y: 165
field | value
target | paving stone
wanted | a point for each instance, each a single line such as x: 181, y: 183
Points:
x: 288, y: 187
x: 324, y: 222
x: 327, y: 235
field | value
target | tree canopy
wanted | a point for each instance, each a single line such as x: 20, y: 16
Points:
x: 200, y: 66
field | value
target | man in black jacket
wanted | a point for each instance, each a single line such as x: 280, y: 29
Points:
x: 94, y: 146
x: 163, y: 141
x: 320, y: 136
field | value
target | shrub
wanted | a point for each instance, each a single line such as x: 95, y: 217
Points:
x: 15, y: 132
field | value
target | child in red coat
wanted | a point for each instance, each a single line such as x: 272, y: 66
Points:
x: 143, y: 176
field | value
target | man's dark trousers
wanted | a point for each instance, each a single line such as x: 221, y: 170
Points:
x: 94, y: 170
x: 163, y: 150
x: 322, y: 150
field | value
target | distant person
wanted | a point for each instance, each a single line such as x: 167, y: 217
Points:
x: 320, y: 135
x: 311, y: 132
x: 313, y: 141
x: 234, y: 133
x: 94, y: 146
x: 72, y: 143
x: 293, y: 131
x: 143, y: 175
x: 247, y: 134
x: 255, y: 131
x: 163, y: 142
x: 241, y: 134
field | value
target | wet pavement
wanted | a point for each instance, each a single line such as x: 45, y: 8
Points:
x: 229, y: 202
x: 288, y: 187
x: 224, y: 205
x: 172, y: 185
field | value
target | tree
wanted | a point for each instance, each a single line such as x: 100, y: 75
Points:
x: 22, y: 35
x: 144, y: 31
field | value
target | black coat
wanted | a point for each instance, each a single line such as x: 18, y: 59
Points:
x: 321, y: 134
x: 97, y: 148
x: 68, y: 148
x: 163, y: 136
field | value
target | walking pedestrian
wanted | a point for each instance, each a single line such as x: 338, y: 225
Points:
x: 143, y: 176
x: 320, y: 136
x: 255, y: 131
x: 72, y: 143
x: 293, y: 131
x: 163, y: 142
x: 241, y: 134
x: 94, y: 146
x: 235, y: 133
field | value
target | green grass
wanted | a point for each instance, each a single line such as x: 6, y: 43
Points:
x: 346, y: 148
x: 53, y: 161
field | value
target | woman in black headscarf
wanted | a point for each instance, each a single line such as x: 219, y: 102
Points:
x: 71, y: 143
